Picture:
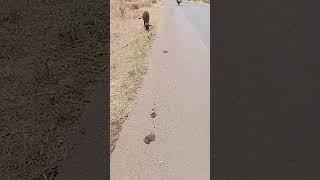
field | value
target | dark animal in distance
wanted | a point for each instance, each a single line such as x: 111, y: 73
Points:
x: 179, y: 1
x: 146, y: 17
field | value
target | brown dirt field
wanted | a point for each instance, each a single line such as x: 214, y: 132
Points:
x: 129, y: 47
x: 50, y: 64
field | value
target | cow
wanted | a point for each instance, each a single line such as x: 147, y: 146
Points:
x: 146, y: 17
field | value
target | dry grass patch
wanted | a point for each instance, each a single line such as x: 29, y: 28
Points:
x: 206, y: 1
x: 201, y: 1
x: 129, y: 47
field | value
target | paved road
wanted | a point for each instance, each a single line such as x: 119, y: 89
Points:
x: 199, y: 16
x: 177, y: 86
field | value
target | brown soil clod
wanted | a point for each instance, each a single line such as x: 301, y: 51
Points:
x: 149, y: 138
x: 153, y: 114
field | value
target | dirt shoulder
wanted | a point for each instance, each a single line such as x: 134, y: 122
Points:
x: 130, y: 45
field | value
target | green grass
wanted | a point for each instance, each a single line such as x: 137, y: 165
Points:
x: 204, y: 1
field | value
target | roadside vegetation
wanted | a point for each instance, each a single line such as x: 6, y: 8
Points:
x: 129, y: 46
x: 203, y: 1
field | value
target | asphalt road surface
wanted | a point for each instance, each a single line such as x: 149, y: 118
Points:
x: 177, y: 89
x: 199, y: 16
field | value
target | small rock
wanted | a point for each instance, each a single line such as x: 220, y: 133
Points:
x: 153, y: 114
x: 149, y: 138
